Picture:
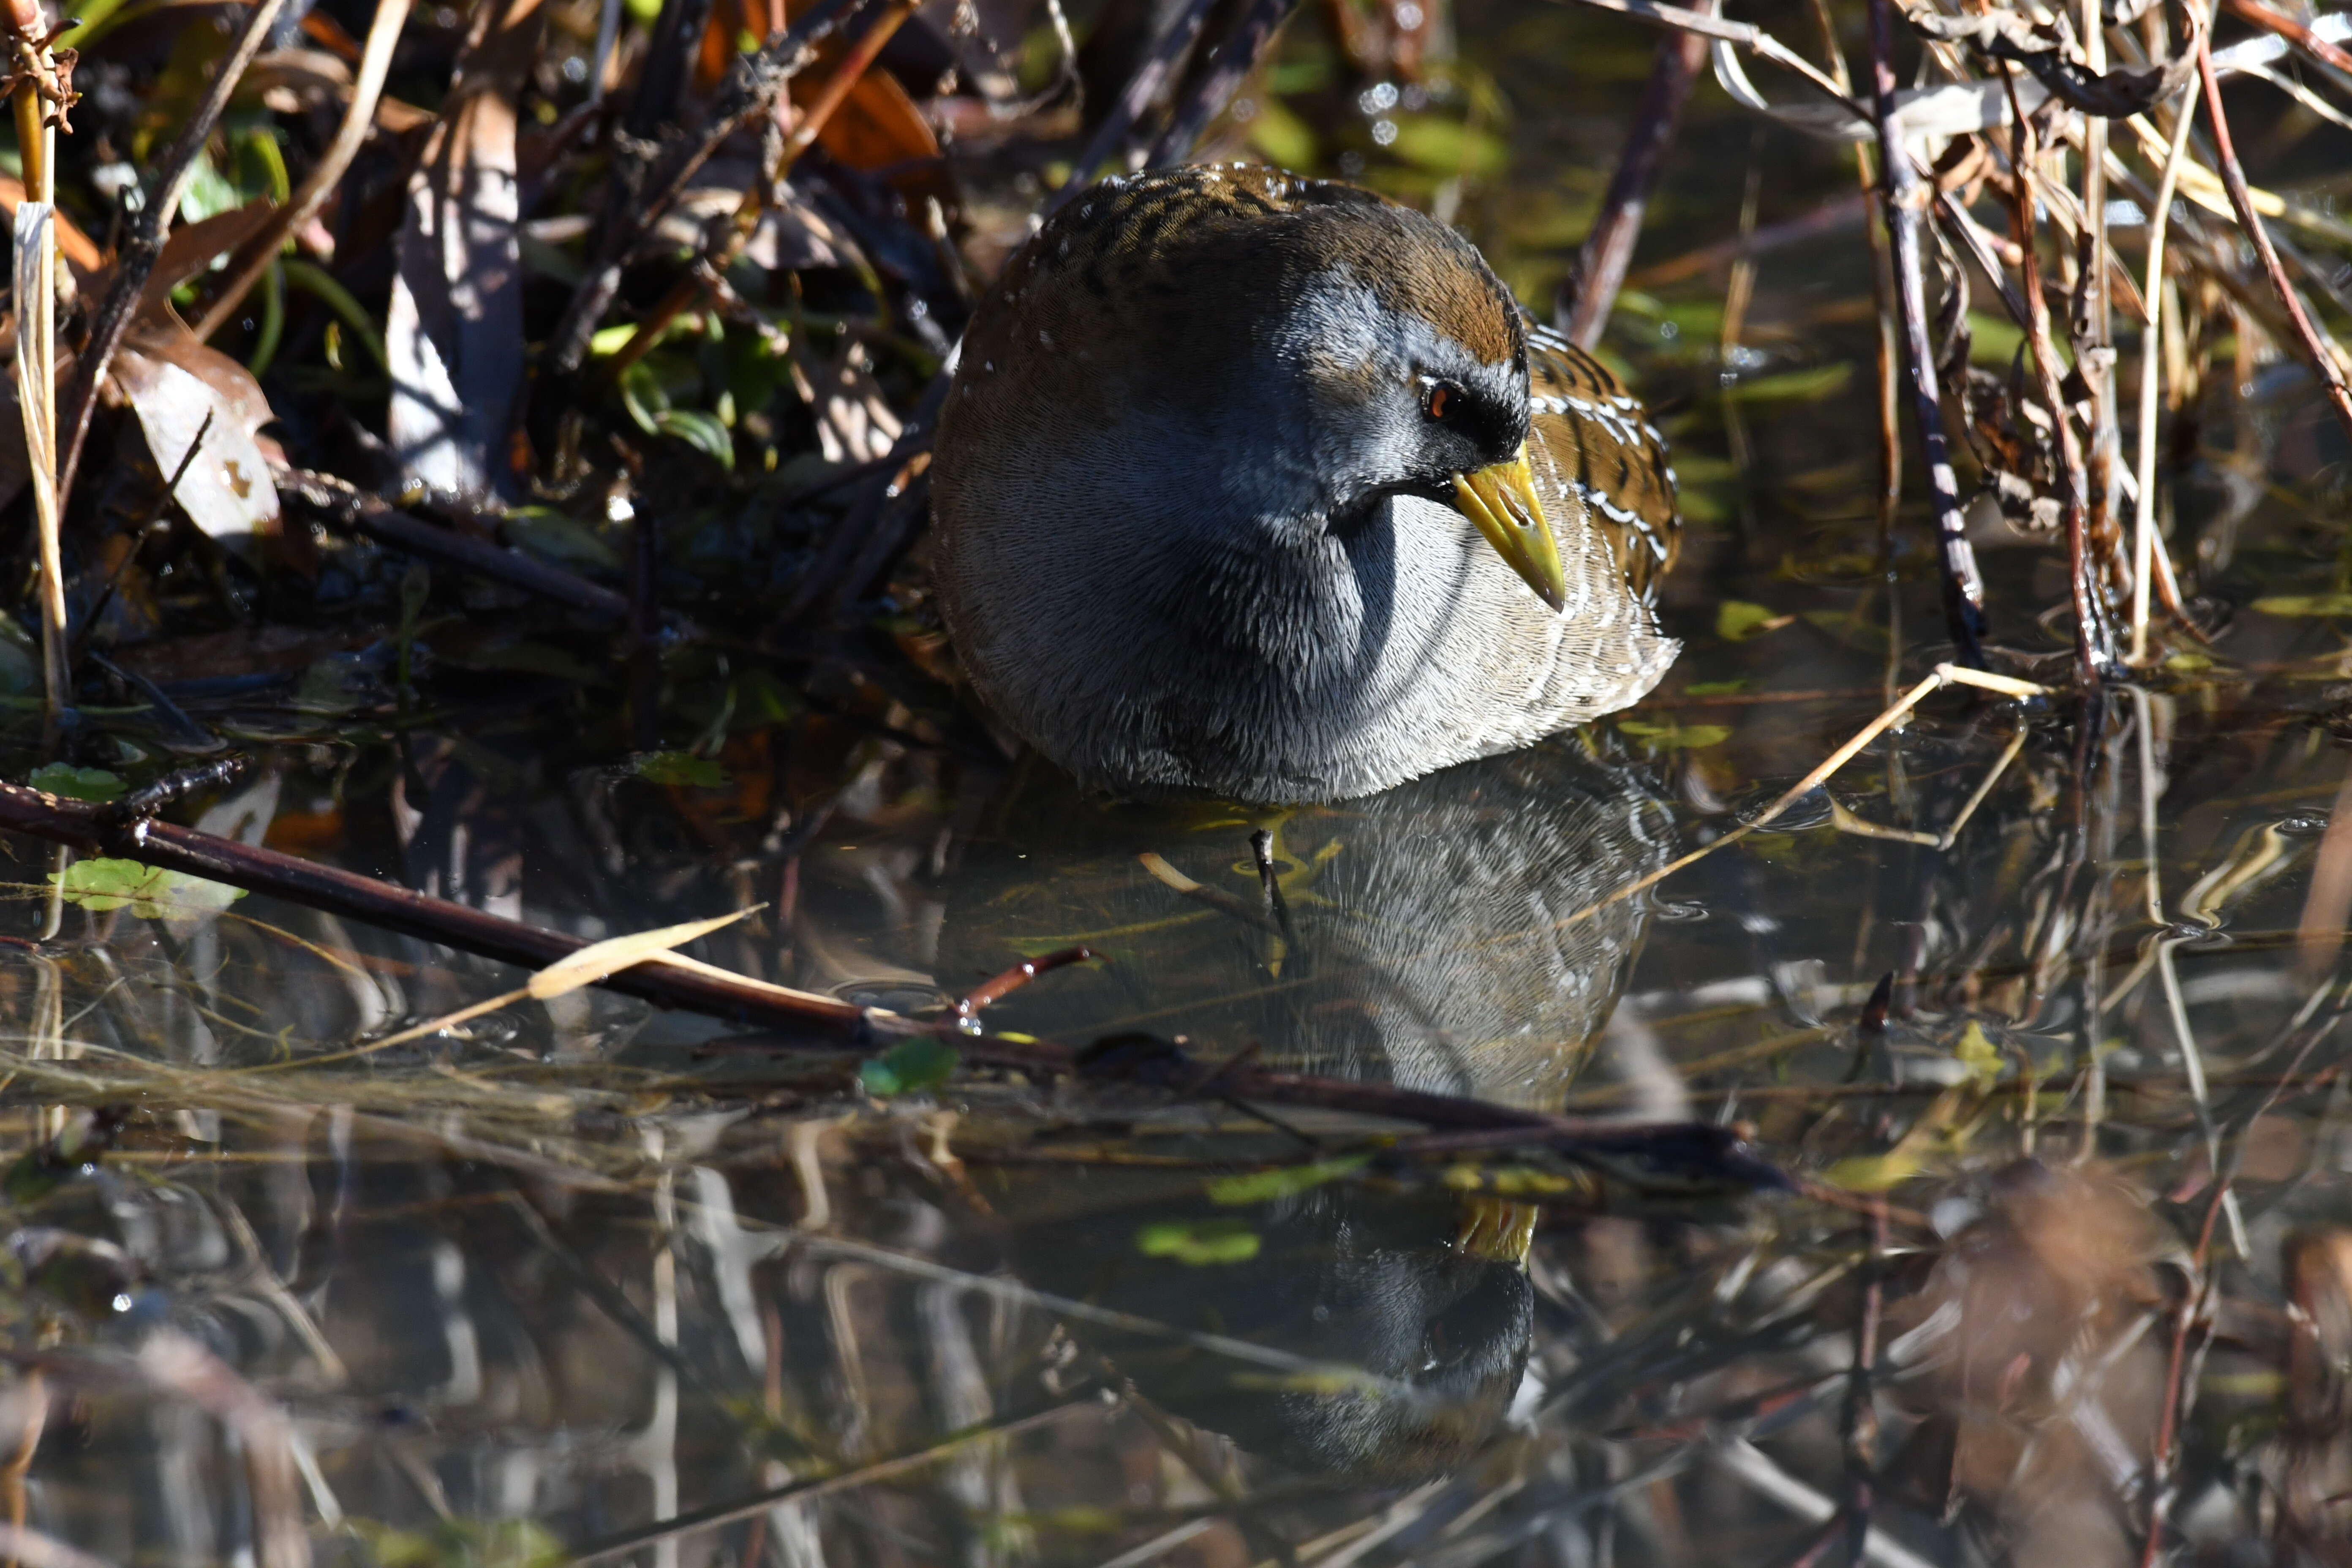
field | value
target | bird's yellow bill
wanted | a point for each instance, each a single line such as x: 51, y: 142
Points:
x: 1501, y: 499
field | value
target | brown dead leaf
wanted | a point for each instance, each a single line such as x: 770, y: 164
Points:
x: 2034, y: 1324
x: 193, y: 246
x: 187, y: 397
x: 876, y: 126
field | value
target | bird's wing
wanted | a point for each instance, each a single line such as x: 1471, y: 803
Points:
x: 1602, y: 445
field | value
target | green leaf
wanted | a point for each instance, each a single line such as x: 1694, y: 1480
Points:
x: 701, y: 431
x: 910, y: 1066
x: 543, y: 531
x: 683, y: 769
x: 1447, y: 147
x: 77, y: 783
x: 1737, y: 620
x: 1263, y: 1186
x: 1715, y: 688
x: 149, y: 892
x: 1279, y: 132
x: 2307, y: 604
x: 642, y: 395
x: 1792, y: 385
x: 1676, y: 737
x: 1993, y: 341
x: 1199, y: 1242
x: 1979, y: 1055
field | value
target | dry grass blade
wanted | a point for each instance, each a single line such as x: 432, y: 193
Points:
x: 1754, y: 39
x: 2144, y: 541
x: 598, y: 960
x: 1945, y: 675
x: 36, y: 404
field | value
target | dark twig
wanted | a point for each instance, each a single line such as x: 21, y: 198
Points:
x: 144, y: 244
x: 1151, y: 79
x: 669, y: 65
x: 356, y: 509
x: 1229, y: 62
x: 2331, y: 374
x: 1591, y: 288
x: 1837, y: 214
x: 709, y: 273
x: 1906, y: 194
x: 860, y: 543
x: 990, y: 992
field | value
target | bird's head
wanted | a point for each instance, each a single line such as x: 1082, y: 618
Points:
x: 1406, y: 361
x: 1252, y: 350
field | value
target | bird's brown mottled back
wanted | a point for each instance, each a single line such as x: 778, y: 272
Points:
x: 1591, y: 438
x: 1166, y: 238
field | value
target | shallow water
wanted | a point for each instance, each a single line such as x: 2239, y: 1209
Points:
x: 580, y: 1278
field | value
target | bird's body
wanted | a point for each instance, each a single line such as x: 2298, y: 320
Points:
x: 1197, y: 529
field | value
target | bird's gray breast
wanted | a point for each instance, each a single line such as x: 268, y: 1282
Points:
x: 1124, y: 624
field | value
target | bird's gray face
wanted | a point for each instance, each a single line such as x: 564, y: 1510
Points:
x: 1381, y: 402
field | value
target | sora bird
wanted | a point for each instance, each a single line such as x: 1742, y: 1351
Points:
x: 1264, y: 487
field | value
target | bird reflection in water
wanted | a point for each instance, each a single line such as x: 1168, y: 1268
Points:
x: 1414, y: 938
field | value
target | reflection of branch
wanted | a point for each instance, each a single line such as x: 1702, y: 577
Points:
x: 145, y: 243
x: 809, y: 1022
x: 806, y: 1491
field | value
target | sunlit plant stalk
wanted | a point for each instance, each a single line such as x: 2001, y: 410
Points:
x: 34, y: 67
x: 2151, y: 354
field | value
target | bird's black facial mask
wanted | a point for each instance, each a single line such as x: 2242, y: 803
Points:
x: 1394, y: 407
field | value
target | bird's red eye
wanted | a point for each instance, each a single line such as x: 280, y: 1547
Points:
x: 1440, y: 398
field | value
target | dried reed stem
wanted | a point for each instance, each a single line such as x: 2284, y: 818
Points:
x: 1905, y: 195
x: 2091, y: 653
x: 2234, y: 178
x: 2150, y: 369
